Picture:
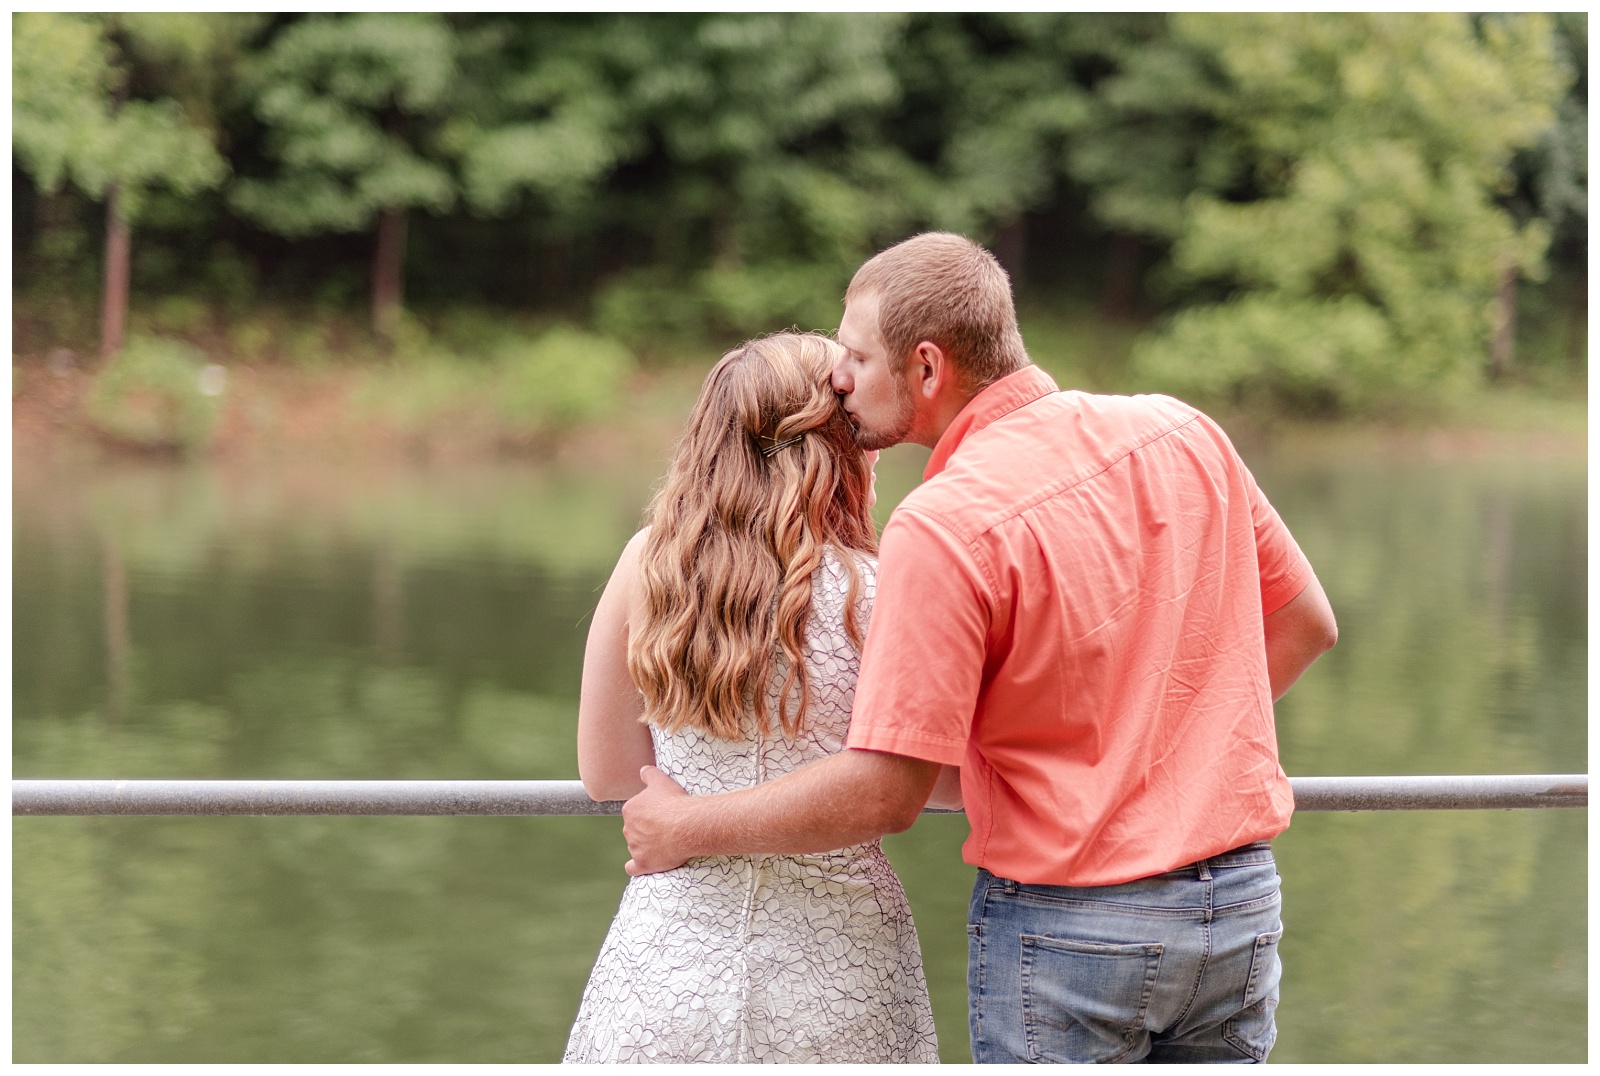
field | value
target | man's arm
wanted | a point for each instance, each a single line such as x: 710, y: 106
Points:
x: 847, y: 798
x: 1298, y: 633
x: 931, y: 600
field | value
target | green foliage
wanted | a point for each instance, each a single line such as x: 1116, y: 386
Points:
x: 1355, y: 214
x: 1554, y: 174
x: 1312, y: 355
x: 563, y: 377
x: 1152, y: 141
x: 801, y: 144
x: 423, y: 393
x: 59, y: 72
x: 153, y: 395
x: 1076, y: 346
x: 1332, y: 201
x: 69, y: 119
x: 770, y: 123
x: 543, y: 112
x: 990, y: 103
x: 507, y: 388
x: 352, y: 104
x: 647, y: 304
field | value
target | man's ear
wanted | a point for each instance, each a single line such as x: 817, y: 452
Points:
x: 930, y: 369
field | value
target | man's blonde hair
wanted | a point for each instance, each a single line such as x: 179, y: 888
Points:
x: 946, y: 289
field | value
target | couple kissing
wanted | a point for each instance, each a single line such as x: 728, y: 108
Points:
x: 1074, y: 629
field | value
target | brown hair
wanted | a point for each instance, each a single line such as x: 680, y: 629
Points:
x: 944, y: 288
x: 765, y: 476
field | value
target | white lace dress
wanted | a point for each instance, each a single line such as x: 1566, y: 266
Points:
x: 765, y: 957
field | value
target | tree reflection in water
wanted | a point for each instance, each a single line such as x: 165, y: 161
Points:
x: 413, y: 625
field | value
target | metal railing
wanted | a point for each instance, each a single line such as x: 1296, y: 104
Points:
x: 114, y: 797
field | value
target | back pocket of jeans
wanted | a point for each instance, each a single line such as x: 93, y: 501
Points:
x: 1254, y: 1028
x: 1085, y: 1001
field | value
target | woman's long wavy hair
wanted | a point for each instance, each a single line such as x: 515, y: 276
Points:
x: 737, y: 530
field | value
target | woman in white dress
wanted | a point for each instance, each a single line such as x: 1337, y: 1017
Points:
x: 724, y: 651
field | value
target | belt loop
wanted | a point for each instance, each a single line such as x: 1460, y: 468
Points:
x: 1010, y: 887
x: 1204, y: 866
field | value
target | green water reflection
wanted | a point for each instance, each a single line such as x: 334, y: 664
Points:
x: 176, y: 622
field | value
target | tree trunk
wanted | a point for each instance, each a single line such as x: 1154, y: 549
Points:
x: 1578, y: 322
x: 1503, y: 345
x: 1121, y: 285
x: 1011, y: 250
x: 118, y: 647
x: 114, y: 300
x: 388, y: 264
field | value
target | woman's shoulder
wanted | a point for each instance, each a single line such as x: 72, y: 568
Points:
x: 832, y: 583
x: 834, y: 559
x: 627, y: 571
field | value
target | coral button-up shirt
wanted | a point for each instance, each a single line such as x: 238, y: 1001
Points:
x: 1070, y: 609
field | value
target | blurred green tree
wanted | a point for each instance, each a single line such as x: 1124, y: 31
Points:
x: 370, y: 116
x: 760, y: 179
x: 1342, y: 203
x: 354, y: 106
x: 784, y: 149
x: 118, y: 105
x: 1553, y: 182
x: 1336, y: 175
x: 989, y: 104
x: 542, y: 111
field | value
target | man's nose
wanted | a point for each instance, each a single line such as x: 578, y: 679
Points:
x: 842, y: 382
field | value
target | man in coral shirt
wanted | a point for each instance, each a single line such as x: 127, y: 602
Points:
x: 1083, y: 615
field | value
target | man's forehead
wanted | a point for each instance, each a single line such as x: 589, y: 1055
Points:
x: 859, y: 325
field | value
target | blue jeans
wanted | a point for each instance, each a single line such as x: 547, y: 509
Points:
x: 1179, y: 967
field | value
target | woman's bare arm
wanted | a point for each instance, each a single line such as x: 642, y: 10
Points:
x: 612, y: 743
x: 946, y: 794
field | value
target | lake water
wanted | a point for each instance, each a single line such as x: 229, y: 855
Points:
x: 302, y: 622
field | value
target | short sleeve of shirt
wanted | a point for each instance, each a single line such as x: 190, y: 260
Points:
x: 1284, y: 569
x: 923, y: 663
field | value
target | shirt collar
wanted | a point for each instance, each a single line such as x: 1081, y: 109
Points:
x: 1001, y: 398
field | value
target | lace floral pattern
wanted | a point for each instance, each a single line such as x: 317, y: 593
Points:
x: 767, y: 957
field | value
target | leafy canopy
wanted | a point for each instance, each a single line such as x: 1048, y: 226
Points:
x: 352, y: 105
x: 71, y: 123
x: 1351, y: 204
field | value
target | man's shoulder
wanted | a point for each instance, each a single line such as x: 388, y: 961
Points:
x: 1076, y: 435
x: 1071, y: 420
x: 1048, y: 442
x: 1148, y: 406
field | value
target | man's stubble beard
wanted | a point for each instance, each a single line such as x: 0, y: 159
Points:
x: 872, y: 440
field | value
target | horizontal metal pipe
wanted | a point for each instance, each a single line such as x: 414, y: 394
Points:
x: 305, y: 797
x: 112, y: 797
x: 1440, y: 792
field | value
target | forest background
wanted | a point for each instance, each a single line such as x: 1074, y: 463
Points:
x: 484, y: 229
x: 347, y: 349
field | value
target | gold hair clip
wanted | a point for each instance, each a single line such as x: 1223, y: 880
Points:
x: 770, y: 449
